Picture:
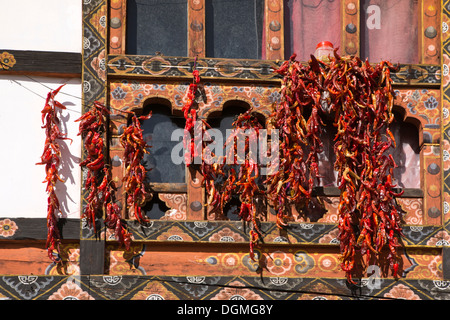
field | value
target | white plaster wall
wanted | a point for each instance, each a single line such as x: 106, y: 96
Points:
x: 22, y: 192
x: 41, y: 25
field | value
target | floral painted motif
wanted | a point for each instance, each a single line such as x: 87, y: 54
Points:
x: 154, y: 290
x: 413, y: 208
x: 445, y: 70
x: 435, y: 266
x: 99, y: 65
x: 330, y: 237
x: 235, y: 293
x: 422, y: 104
x: 70, y: 254
x: 442, y: 238
x: 401, y: 291
x: 70, y: 291
x: 129, y: 95
x: 279, y: 263
x: 7, y: 60
x: 175, y: 234
x: 226, y: 235
x: 7, y: 228
x: 177, y: 202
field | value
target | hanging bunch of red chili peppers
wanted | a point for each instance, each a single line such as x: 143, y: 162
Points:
x: 101, y: 187
x: 361, y: 98
x: 91, y: 128
x: 369, y: 216
x: 51, y: 158
x: 135, y: 147
x: 190, y: 114
x: 246, y: 183
x: 300, y: 140
x: 237, y: 173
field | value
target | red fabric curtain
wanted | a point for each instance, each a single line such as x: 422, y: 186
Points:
x: 389, y: 31
x: 309, y: 22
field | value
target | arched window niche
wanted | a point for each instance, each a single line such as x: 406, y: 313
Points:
x: 164, y: 175
x: 222, y: 120
x: 407, y: 133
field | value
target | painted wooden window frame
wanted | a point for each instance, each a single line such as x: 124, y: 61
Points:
x: 423, y: 78
x: 102, y: 65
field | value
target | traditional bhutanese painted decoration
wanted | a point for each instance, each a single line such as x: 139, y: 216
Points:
x: 7, y: 60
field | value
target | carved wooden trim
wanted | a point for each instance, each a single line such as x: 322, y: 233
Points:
x: 117, y: 26
x: 274, y: 29
x: 196, y: 28
x: 429, y: 31
x: 351, y: 26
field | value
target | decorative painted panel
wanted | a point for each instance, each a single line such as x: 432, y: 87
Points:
x: 209, y: 288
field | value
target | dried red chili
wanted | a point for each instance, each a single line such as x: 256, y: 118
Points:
x: 361, y: 97
x: 99, y: 183
x: 190, y: 114
x: 233, y: 175
x: 135, y: 173
x: 51, y: 158
x: 369, y: 215
x: 91, y: 129
x: 300, y: 139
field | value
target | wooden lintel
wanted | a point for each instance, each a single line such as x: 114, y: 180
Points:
x: 40, y: 63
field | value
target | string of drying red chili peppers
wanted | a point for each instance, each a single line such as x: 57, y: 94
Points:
x: 361, y: 97
x: 51, y: 158
x: 246, y: 183
x: 91, y: 128
x: 234, y: 175
x: 300, y: 140
x: 190, y: 114
x: 99, y: 182
x: 135, y: 173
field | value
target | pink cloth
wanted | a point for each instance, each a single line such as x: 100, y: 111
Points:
x: 389, y: 31
x: 312, y: 21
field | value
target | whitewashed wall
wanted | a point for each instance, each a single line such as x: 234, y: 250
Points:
x: 41, y: 25
x: 22, y: 191
x: 38, y: 25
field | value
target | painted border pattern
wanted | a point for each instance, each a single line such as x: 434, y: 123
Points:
x: 30, y: 287
x: 94, y: 77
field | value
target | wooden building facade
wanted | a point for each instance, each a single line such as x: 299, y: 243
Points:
x: 139, y: 56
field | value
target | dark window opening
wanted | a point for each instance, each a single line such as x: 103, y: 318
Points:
x: 223, y: 121
x: 157, y: 26
x: 406, y: 154
x: 158, y: 133
x: 155, y: 208
x: 234, y: 29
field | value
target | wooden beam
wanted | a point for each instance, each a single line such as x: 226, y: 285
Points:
x: 36, y: 229
x: 40, y: 63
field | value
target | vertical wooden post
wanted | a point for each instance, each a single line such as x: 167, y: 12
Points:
x: 117, y: 26
x: 429, y: 31
x: 351, y: 26
x: 95, y: 17
x: 431, y: 183
x: 274, y: 29
x: 196, y: 28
